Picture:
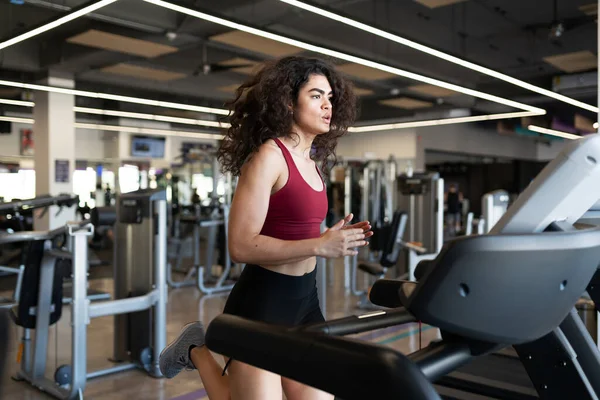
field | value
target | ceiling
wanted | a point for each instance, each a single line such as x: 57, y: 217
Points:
x: 135, y: 48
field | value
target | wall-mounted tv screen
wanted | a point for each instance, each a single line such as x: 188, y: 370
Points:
x: 151, y: 147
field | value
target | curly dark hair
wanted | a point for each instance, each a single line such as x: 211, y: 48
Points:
x: 260, y: 110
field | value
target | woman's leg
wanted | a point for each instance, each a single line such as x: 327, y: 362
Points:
x: 298, y: 391
x: 294, y: 390
x: 189, y: 352
x: 243, y: 381
x: 250, y: 383
x: 211, y: 373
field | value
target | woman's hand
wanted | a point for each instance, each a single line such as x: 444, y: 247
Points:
x: 364, y: 225
x: 342, y: 240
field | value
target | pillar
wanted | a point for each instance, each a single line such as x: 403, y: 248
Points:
x: 54, y: 149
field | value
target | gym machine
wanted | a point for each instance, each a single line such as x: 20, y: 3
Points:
x: 45, y: 201
x: 15, y: 211
x: 477, y: 291
x: 212, y: 222
x: 390, y: 251
x: 377, y: 201
x: 494, y: 205
x: 552, y: 204
x: 422, y: 194
x: 378, y: 194
x: 140, y: 292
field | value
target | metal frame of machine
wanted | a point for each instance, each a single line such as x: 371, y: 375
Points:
x: 82, y: 311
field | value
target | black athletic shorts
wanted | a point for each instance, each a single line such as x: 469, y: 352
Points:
x: 264, y: 295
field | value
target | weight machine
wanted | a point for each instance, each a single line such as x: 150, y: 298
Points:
x: 422, y: 194
x: 216, y: 222
x: 493, y: 205
x: 14, y: 214
x: 140, y: 291
x: 212, y: 222
x: 377, y: 205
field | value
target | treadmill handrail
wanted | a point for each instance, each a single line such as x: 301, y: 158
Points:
x: 361, y: 323
x: 345, y: 367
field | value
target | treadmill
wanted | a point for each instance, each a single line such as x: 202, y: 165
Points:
x: 516, y: 286
x: 511, y: 372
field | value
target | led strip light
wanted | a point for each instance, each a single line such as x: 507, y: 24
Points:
x: 531, y: 110
x: 553, y: 132
x: 440, y: 54
x: 20, y: 103
x: 17, y: 119
x: 116, y: 97
x: 444, y: 121
x: 152, y: 117
x: 130, y: 129
x: 358, y: 129
x: 60, y: 21
x: 347, y: 57
x: 107, y: 96
x: 126, y: 114
x: 372, y: 128
x: 148, y: 131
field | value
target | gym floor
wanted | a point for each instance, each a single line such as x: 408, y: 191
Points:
x: 184, y: 305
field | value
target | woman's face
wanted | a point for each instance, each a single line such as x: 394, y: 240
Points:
x: 313, y: 109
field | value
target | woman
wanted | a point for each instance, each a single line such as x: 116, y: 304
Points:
x: 293, y: 111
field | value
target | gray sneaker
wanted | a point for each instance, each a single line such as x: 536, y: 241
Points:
x: 176, y: 356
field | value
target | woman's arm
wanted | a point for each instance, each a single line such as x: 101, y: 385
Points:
x: 248, y: 212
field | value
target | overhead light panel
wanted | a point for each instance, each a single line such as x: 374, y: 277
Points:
x: 343, y: 56
x: 17, y: 119
x: 116, y: 97
x: 369, y: 128
x: 440, y: 54
x: 443, y: 121
x: 152, y: 117
x: 60, y: 21
x: 127, y: 114
x: 553, y: 132
x: 20, y: 103
x: 148, y: 131
x: 130, y: 129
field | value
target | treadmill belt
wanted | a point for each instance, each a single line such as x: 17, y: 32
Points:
x: 493, y: 376
x: 499, y: 367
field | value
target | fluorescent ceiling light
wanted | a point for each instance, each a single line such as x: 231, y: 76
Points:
x: 444, y: 121
x: 552, y: 132
x: 343, y: 56
x: 126, y: 114
x: 17, y: 119
x: 17, y: 102
x: 108, y: 96
x: 369, y: 128
x: 442, y: 55
x: 148, y: 131
x: 130, y: 129
x: 153, y: 117
x: 51, y: 25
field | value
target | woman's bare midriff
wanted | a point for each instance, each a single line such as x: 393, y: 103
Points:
x: 295, y: 269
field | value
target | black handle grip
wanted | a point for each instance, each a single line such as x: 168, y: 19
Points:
x: 347, y: 368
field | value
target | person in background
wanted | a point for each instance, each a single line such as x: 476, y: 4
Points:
x: 195, y: 196
x: 453, y: 199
